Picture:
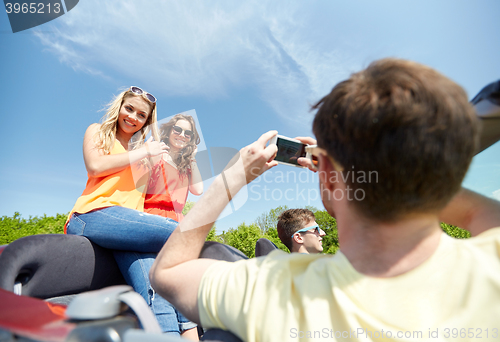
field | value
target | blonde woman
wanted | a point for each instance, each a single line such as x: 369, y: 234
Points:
x: 110, y: 210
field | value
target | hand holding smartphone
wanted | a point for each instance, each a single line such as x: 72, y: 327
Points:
x: 290, y: 150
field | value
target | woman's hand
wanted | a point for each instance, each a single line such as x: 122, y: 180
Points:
x: 154, y: 148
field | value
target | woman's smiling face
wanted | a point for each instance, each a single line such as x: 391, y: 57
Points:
x: 177, y: 141
x: 133, y: 115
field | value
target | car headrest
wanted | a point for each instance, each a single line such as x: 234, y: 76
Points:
x: 264, y: 246
x: 487, y: 106
x: 219, y: 251
x: 54, y: 265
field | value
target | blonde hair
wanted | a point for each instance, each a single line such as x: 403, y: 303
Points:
x: 183, y: 160
x: 105, y: 137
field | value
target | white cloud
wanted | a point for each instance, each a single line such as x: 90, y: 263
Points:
x: 200, y: 48
x: 496, y: 194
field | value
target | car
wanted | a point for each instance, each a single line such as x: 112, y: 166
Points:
x: 66, y: 288
x: 58, y: 287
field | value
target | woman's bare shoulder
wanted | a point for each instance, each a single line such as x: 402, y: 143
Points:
x: 92, y: 131
x: 93, y: 128
x: 91, y: 134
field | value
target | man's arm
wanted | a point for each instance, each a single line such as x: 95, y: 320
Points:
x: 472, y: 211
x: 177, y: 271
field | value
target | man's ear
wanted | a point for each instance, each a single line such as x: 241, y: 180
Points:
x: 298, y: 238
x: 327, y: 173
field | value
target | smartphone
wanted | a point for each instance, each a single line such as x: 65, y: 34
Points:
x: 289, y: 150
x: 311, y: 153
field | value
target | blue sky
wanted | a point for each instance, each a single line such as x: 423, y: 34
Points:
x: 244, y: 67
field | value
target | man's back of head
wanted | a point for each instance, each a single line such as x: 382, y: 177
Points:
x: 404, y: 135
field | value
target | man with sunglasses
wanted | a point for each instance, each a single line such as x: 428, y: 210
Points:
x: 397, y: 275
x: 299, y: 232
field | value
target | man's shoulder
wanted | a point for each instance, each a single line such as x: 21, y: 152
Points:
x: 487, y: 237
x: 279, y: 257
x: 283, y: 267
x: 490, y: 233
x: 488, y: 241
x: 274, y: 262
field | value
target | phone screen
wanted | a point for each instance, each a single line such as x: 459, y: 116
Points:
x: 289, y: 151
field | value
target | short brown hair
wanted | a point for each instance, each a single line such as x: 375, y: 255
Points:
x: 407, y: 122
x: 290, y: 221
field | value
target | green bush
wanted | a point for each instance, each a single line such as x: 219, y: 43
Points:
x: 212, y: 235
x: 269, y: 220
x: 243, y: 237
x: 15, y: 227
x: 187, y: 207
x: 329, y: 225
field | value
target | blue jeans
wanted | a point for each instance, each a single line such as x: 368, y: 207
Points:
x: 136, y: 237
x: 135, y: 268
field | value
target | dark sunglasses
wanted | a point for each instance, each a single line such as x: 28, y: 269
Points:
x: 139, y: 91
x: 178, y: 130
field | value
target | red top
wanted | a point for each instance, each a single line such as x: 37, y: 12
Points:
x: 167, y: 192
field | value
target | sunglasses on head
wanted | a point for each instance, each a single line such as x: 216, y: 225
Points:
x: 303, y: 230
x: 139, y: 91
x: 178, y: 130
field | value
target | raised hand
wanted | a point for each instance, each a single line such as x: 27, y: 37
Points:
x: 249, y: 163
x: 155, y: 148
